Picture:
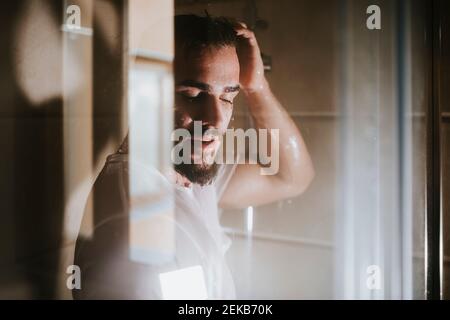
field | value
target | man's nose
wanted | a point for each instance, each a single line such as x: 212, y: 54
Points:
x: 213, y: 113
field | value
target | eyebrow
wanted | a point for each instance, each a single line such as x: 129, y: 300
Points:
x: 206, y: 87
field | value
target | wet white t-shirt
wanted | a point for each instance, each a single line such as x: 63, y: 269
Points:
x: 202, y: 202
x: 200, y: 239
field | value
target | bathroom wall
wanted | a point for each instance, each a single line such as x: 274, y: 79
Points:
x: 289, y: 253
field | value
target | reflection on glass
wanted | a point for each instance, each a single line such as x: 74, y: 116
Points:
x: 93, y: 92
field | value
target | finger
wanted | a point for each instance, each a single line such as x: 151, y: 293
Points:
x: 243, y: 25
x: 248, y: 35
x: 239, y: 25
x: 245, y: 33
x: 242, y: 30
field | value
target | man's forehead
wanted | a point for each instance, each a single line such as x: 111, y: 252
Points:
x: 215, y: 60
x: 202, y: 52
x: 218, y: 69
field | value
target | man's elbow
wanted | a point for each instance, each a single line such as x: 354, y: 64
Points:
x: 310, y: 175
x: 299, y: 183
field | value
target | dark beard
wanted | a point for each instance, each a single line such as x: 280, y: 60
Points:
x: 198, y: 173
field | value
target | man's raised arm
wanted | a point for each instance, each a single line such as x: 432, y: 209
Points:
x: 248, y: 187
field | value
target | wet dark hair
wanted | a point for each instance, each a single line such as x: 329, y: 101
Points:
x: 193, y: 32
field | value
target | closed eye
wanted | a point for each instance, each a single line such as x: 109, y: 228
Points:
x: 188, y: 94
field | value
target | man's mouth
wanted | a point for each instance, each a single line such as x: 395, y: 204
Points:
x: 207, y: 143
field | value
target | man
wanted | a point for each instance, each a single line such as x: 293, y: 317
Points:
x: 215, y: 60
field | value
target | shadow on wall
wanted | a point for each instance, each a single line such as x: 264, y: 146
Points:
x: 32, y: 139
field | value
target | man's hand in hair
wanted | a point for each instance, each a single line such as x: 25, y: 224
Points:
x: 251, y: 64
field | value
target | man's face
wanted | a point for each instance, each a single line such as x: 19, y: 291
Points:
x: 206, y: 83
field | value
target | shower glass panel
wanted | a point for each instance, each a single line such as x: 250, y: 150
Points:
x: 360, y: 98
x: 93, y: 208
